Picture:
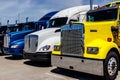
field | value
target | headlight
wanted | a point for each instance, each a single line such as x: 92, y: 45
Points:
x: 14, y: 46
x: 92, y: 50
x: 45, y: 48
x: 56, y: 48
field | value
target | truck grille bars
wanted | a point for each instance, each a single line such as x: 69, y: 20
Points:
x: 6, y: 41
x: 73, y: 42
x: 31, y: 43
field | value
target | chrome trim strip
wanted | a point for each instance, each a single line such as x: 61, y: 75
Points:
x: 6, y: 41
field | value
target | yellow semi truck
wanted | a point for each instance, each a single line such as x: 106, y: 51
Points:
x: 93, y: 46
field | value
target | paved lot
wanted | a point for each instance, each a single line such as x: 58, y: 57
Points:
x: 20, y: 69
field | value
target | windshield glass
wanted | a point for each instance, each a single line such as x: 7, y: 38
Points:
x: 28, y: 26
x: 102, y: 15
x: 12, y: 29
x: 57, y: 22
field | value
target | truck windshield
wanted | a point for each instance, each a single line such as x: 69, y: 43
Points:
x: 28, y: 26
x: 102, y: 15
x: 12, y: 29
x: 57, y: 22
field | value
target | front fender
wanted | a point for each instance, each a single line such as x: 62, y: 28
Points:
x: 49, y: 41
x: 104, y: 48
x: 20, y: 43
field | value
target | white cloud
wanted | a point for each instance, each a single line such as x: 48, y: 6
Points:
x: 5, y: 5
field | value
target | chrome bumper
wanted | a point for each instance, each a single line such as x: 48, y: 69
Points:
x: 78, y: 64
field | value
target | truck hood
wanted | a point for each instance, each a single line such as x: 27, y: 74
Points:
x: 19, y: 35
x: 49, y: 36
x: 102, y: 23
x: 19, y: 42
x: 45, y: 31
x: 98, y: 30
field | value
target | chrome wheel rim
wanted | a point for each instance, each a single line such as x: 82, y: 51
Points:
x: 112, y: 66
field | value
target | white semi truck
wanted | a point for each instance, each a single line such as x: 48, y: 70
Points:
x: 38, y: 45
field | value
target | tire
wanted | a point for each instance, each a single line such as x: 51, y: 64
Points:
x: 111, y: 66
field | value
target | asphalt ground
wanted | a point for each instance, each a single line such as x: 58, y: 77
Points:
x: 16, y: 68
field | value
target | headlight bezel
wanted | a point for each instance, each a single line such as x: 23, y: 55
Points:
x: 45, y: 48
x: 57, y: 47
x: 92, y: 50
x: 14, y: 46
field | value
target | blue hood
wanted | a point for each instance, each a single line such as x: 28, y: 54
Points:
x: 18, y: 35
x: 19, y: 42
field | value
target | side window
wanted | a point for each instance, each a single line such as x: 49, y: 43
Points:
x: 81, y: 16
x: 90, y: 18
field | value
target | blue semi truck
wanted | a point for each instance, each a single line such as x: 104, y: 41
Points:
x: 5, y: 29
x: 14, y: 42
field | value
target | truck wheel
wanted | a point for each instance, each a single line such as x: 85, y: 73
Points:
x: 111, y: 66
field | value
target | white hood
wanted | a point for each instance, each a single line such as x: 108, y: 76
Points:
x: 44, y: 32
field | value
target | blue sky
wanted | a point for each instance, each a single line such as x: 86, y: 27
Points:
x: 35, y: 9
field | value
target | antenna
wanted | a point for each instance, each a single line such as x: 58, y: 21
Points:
x: 16, y: 22
x: 27, y: 19
x: 91, y: 4
x: 7, y: 22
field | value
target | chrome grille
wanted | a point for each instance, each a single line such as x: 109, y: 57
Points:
x: 31, y: 43
x: 6, y: 41
x: 72, y: 42
x: 26, y: 46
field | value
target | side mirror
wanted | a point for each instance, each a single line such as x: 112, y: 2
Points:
x: 70, y: 23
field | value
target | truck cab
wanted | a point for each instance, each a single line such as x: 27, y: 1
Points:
x: 92, y: 46
x: 16, y: 43
x: 39, y: 45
